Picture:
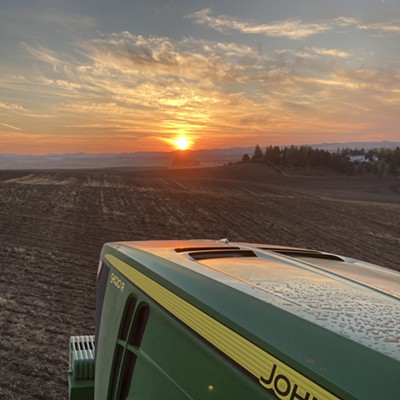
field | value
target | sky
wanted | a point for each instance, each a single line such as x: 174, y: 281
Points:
x: 100, y: 76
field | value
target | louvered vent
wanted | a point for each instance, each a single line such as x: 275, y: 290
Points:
x: 206, y: 255
x: 187, y: 249
x: 303, y: 253
x: 81, y: 359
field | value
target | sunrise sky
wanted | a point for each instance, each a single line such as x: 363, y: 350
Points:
x: 102, y: 76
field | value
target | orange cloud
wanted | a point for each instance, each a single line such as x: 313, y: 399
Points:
x: 293, y: 29
x: 290, y: 28
x: 131, y: 92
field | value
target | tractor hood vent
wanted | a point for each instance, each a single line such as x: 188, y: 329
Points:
x: 206, y: 255
x: 81, y: 359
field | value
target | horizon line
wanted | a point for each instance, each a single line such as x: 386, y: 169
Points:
x: 197, y: 150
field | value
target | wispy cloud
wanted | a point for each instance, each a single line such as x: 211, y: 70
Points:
x: 345, y: 21
x: 331, y: 52
x: 391, y: 27
x: 41, y: 53
x: 289, y: 28
x: 292, y: 28
x: 63, y: 19
x: 15, y: 128
x: 11, y: 106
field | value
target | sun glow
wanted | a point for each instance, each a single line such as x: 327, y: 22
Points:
x: 182, y: 143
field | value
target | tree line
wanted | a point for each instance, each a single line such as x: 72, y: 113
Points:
x: 346, y: 161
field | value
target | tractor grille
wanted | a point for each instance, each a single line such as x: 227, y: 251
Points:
x: 81, y: 357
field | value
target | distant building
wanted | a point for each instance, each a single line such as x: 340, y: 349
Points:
x: 362, y: 159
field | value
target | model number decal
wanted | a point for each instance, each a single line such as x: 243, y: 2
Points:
x: 117, y: 282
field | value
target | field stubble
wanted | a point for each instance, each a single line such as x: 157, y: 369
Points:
x: 53, y: 224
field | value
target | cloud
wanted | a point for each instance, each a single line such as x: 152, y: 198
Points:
x: 393, y: 28
x: 133, y: 87
x: 331, y: 52
x: 215, y: 47
x: 136, y: 55
x: 345, y: 21
x: 10, y: 126
x: 63, y: 19
x: 62, y: 84
x: 12, y: 106
x: 291, y: 28
x: 40, y: 53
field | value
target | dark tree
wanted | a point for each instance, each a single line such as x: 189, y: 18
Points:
x: 258, y: 154
x: 245, y: 158
x: 269, y: 155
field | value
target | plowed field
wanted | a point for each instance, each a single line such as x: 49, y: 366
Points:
x: 53, y: 224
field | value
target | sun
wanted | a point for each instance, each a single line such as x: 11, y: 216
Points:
x: 182, y: 143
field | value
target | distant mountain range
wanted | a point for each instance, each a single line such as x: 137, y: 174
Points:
x: 356, y: 145
x: 109, y: 160
x: 154, y: 159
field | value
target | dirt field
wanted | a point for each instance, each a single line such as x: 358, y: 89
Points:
x: 53, y: 224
